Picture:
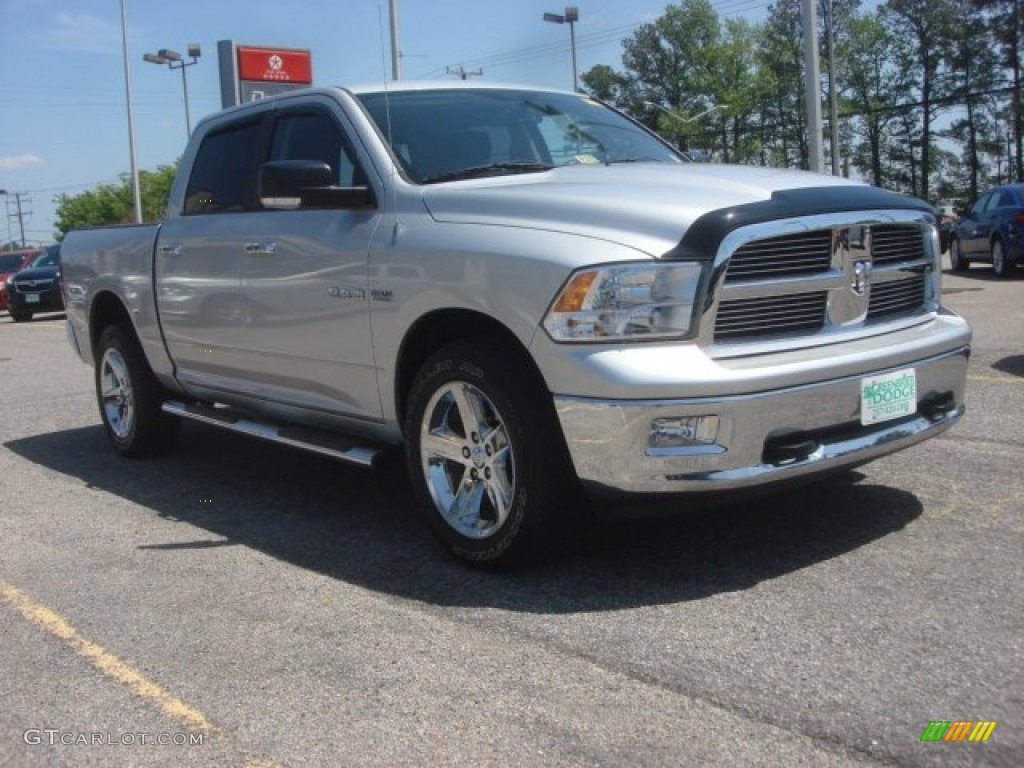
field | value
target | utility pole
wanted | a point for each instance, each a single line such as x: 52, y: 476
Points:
x: 812, y: 86
x: 21, y: 215
x: 828, y: 6
x: 136, y: 192
x: 396, y: 53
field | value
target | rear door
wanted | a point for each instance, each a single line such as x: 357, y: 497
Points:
x: 199, y: 259
x: 304, y: 280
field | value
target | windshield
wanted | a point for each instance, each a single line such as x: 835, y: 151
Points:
x: 48, y: 258
x: 442, y: 135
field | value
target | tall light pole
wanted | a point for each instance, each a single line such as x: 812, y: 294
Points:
x: 570, y: 17
x: 833, y: 111
x: 136, y: 193
x: 812, y: 87
x: 174, y: 60
x: 396, y: 51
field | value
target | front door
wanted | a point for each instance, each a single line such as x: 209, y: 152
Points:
x: 304, y: 284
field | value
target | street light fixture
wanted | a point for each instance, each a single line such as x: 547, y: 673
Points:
x: 174, y: 60
x: 570, y: 17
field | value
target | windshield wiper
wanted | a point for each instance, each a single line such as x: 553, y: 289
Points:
x: 633, y: 160
x: 482, y: 171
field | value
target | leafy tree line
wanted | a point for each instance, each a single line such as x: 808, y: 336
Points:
x: 928, y: 90
x: 113, y: 204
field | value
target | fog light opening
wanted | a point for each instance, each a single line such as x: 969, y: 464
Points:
x: 683, y: 432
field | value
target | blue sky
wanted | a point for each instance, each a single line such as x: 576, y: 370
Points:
x: 63, y: 123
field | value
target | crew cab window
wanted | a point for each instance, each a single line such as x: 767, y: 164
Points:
x: 314, y: 136
x: 222, y: 176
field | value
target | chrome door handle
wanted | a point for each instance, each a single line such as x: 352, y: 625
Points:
x: 170, y: 250
x: 267, y: 248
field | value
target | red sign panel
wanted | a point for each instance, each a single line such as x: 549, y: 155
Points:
x: 275, y: 65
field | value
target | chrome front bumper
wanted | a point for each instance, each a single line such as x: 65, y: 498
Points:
x: 758, y: 438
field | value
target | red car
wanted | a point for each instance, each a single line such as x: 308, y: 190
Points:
x: 11, y: 262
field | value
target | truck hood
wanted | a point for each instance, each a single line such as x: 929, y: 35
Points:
x: 645, y: 206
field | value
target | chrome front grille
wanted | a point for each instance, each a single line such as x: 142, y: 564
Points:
x: 824, y: 277
x: 896, y: 243
x: 802, y: 253
x: 32, y: 286
x: 787, y: 315
x: 897, y: 297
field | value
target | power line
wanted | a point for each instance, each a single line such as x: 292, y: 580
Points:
x: 583, y: 41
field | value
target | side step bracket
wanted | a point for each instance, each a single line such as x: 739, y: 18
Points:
x: 307, y: 438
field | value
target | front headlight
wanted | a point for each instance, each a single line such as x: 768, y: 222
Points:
x: 627, y: 301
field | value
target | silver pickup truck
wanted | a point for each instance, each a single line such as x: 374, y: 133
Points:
x: 535, y: 298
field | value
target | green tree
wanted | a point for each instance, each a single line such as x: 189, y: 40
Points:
x: 1006, y: 24
x: 874, y: 84
x: 929, y: 25
x: 781, y: 65
x: 112, y: 203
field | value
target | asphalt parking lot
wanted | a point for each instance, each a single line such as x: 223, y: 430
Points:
x: 240, y: 604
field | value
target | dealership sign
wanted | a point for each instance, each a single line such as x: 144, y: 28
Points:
x: 250, y: 73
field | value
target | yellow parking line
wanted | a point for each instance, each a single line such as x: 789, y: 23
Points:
x: 112, y: 667
x: 1000, y: 379
x: 108, y: 664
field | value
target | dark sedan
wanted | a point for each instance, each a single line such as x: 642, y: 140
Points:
x: 11, y: 262
x: 991, y: 231
x: 37, y: 288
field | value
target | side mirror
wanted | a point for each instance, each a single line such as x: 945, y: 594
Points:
x: 292, y: 184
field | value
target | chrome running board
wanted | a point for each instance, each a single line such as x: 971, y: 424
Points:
x: 307, y: 438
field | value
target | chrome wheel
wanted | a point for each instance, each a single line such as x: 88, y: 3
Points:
x: 116, y: 396
x: 467, y: 460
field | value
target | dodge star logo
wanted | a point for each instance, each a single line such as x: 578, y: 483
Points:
x: 861, y: 277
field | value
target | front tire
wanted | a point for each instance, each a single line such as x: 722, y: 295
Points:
x: 958, y: 262
x: 486, y: 456
x: 129, y: 397
x: 1001, y: 264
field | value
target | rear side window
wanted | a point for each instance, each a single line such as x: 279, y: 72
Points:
x: 222, y: 176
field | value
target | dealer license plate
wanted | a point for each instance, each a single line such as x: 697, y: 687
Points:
x: 32, y: 298
x: 887, y: 397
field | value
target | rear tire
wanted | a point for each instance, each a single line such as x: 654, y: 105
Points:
x: 129, y: 397
x: 21, y: 315
x: 486, y: 456
x: 958, y: 262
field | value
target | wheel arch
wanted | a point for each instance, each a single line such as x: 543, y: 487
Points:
x: 107, y: 309
x: 443, y: 327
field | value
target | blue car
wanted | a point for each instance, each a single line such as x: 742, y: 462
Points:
x: 991, y: 231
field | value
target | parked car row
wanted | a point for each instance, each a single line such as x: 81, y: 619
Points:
x: 991, y: 231
x: 12, y: 262
x: 30, y: 283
